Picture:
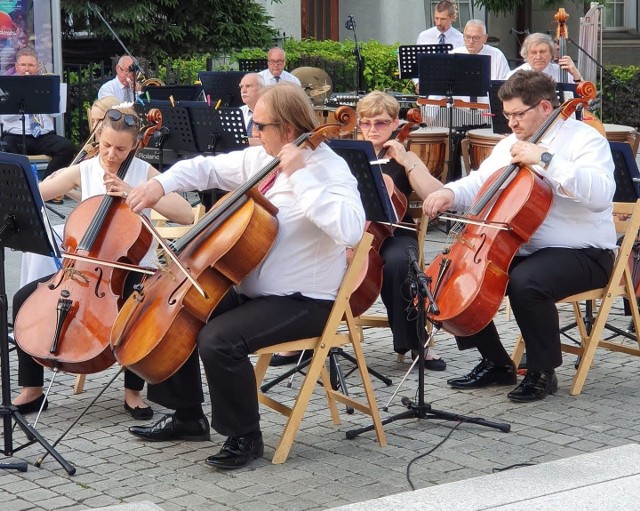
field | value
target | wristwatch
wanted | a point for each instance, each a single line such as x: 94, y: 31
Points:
x: 545, y: 159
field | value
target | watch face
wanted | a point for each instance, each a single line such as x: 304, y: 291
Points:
x: 546, y: 157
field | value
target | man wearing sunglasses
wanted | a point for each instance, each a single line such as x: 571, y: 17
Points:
x: 276, y: 62
x: 123, y: 86
x: 40, y: 137
x: 571, y: 251
x: 287, y: 296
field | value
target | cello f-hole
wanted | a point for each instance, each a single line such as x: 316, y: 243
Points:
x: 483, y: 238
x: 97, y: 291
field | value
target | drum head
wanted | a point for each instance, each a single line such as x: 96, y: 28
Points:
x: 316, y: 83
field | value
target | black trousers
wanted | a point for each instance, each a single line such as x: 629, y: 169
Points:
x: 238, y: 327
x: 395, y: 292
x: 30, y: 373
x: 58, y: 148
x: 536, y: 283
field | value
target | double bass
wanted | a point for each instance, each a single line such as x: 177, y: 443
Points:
x: 470, y: 277
x: 66, y: 322
x: 156, y: 329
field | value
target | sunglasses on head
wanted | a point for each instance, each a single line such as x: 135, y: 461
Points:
x: 129, y: 120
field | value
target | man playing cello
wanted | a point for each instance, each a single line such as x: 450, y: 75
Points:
x: 288, y: 296
x: 571, y: 252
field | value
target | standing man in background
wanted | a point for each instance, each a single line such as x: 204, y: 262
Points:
x: 123, y: 85
x: 276, y: 61
x: 38, y: 129
x: 442, y: 31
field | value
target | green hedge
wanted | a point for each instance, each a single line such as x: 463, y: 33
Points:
x: 621, y: 95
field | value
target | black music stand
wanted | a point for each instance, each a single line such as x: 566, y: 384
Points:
x: 419, y: 286
x: 449, y: 75
x: 378, y: 208
x: 222, y: 88
x: 252, y: 65
x: 499, y: 122
x: 25, y: 227
x: 30, y: 94
x: 409, y: 57
x: 218, y: 130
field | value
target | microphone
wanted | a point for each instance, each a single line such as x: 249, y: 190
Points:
x: 350, y: 24
x: 421, y: 278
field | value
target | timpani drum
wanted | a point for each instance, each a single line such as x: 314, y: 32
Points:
x: 621, y: 133
x: 480, y: 144
x: 431, y: 144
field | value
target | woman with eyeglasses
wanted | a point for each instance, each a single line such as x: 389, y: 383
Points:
x: 378, y: 120
x: 118, y: 136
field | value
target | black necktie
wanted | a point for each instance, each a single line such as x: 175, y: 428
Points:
x: 276, y: 78
x: 250, y: 125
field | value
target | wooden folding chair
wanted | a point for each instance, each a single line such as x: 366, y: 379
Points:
x: 620, y: 285
x: 332, y: 337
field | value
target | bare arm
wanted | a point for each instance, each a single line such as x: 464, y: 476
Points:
x: 60, y: 183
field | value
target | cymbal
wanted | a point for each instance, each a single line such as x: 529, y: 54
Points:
x: 316, y: 83
x: 317, y: 91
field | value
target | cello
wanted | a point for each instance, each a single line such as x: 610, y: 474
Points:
x: 470, y: 277
x: 155, y: 332
x: 65, y: 323
x: 370, y: 283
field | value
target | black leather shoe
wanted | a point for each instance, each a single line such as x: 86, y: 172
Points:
x: 33, y: 406
x: 431, y: 364
x: 283, y: 360
x: 484, y: 374
x: 139, y: 414
x: 536, y: 385
x: 170, y: 428
x: 237, y: 452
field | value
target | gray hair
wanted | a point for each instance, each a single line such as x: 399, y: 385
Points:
x: 536, y: 38
x: 477, y: 23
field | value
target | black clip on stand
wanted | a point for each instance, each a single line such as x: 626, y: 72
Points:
x: 350, y: 24
x: 451, y: 75
x: 24, y: 227
x: 419, y: 286
x: 378, y: 208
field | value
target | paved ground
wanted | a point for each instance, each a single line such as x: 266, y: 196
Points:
x: 324, y: 469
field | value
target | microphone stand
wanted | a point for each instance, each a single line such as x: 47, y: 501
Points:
x: 350, y: 24
x: 420, y: 293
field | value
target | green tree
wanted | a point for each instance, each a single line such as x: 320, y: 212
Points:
x: 158, y: 29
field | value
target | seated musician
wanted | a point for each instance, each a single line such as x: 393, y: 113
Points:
x: 538, y: 51
x: 572, y: 250
x: 250, y: 87
x: 118, y: 135
x: 288, y: 296
x: 40, y: 137
x: 378, y: 119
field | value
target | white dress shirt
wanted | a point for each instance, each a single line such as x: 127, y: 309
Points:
x: 269, y: 79
x: 115, y: 88
x: 581, y: 177
x: 552, y: 70
x: 432, y: 36
x: 320, y: 213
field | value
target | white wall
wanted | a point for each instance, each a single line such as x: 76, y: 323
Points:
x: 286, y: 16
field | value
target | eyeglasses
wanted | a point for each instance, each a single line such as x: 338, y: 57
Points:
x: 518, y: 116
x: 278, y: 62
x: 260, y: 126
x: 379, y: 125
x: 474, y: 38
x: 129, y: 120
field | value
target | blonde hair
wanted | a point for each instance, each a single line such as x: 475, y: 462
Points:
x: 376, y: 103
x: 105, y: 103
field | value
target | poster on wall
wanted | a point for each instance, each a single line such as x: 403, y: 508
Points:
x: 26, y: 23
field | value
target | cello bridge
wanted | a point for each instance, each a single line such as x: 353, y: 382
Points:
x: 74, y: 274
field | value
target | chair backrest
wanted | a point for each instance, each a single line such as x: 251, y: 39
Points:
x: 172, y: 232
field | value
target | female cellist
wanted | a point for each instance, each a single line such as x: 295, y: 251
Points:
x: 378, y: 120
x: 118, y: 135
x: 560, y: 211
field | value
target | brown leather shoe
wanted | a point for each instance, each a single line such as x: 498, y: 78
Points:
x: 484, y: 374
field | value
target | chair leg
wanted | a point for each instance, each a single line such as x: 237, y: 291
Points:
x: 78, y: 387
